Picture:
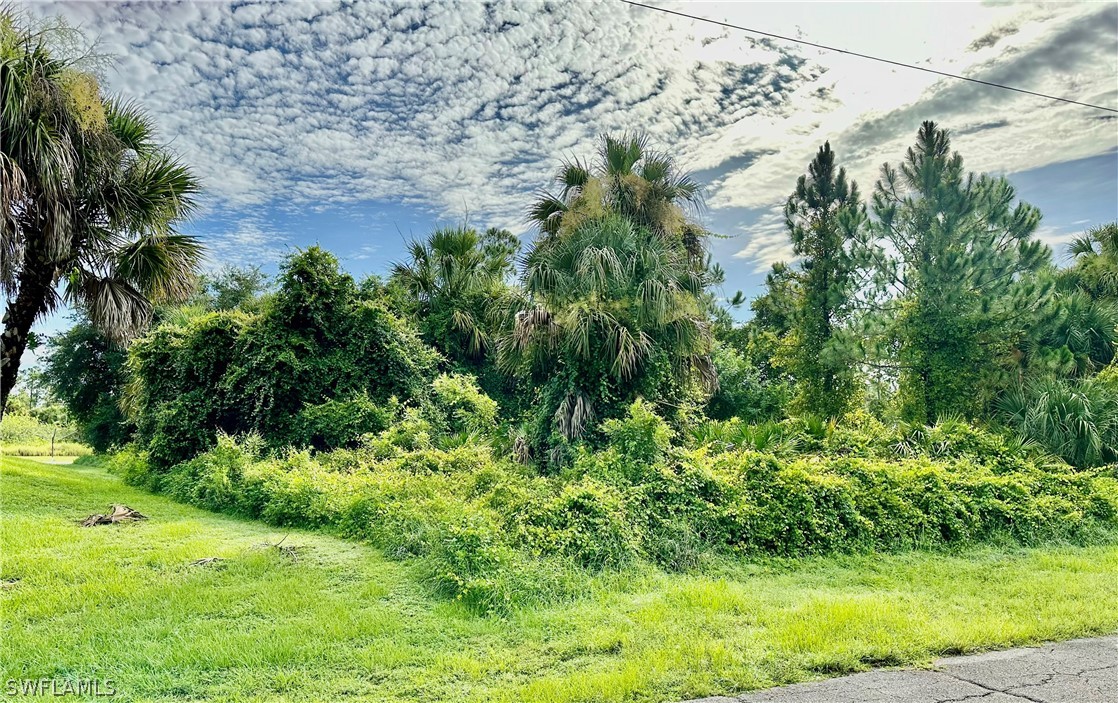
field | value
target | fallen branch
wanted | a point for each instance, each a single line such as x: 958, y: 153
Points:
x: 120, y: 513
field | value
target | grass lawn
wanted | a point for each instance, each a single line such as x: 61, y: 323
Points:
x: 341, y: 621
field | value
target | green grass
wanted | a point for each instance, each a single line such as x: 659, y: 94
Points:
x: 342, y: 621
x: 43, y: 449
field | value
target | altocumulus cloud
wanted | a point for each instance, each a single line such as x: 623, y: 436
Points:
x: 451, y: 105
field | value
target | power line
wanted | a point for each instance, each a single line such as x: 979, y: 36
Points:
x: 865, y: 56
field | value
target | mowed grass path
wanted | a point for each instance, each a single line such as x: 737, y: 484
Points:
x: 342, y: 621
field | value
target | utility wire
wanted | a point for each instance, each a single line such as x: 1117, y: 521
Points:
x: 865, y: 56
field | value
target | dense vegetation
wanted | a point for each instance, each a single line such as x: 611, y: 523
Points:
x: 512, y: 414
x: 324, y: 619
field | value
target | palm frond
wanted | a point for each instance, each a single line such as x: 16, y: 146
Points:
x: 113, y: 305
x: 161, y: 266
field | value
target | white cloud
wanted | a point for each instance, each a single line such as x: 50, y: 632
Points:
x: 249, y: 244
x: 768, y: 241
x: 457, y: 105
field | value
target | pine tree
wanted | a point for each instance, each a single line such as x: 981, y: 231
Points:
x: 960, y: 257
x: 824, y: 216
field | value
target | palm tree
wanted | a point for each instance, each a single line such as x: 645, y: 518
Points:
x: 451, y: 280
x: 604, y: 303
x: 88, y: 199
x: 630, y: 179
x: 1095, y: 268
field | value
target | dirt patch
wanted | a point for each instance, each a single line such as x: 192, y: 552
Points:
x: 120, y: 513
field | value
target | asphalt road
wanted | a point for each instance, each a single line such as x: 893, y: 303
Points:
x: 1078, y: 671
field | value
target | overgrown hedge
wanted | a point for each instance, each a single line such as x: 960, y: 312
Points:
x: 495, y: 534
x: 318, y: 366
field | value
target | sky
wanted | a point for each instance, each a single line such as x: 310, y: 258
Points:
x: 359, y: 126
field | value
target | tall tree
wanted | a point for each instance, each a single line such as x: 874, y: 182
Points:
x: 615, y: 290
x: 958, y: 253
x: 824, y: 217
x: 88, y: 199
x: 611, y: 312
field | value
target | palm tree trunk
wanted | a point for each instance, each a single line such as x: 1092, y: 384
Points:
x: 35, y: 283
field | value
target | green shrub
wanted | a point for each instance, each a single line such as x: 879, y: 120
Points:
x: 467, y: 563
x: 1075, y: 420
x: 134, y: 468
x: 28, y: 429
x: 462, y: 407
x: 586, y: 521
x: 640, y: 437
x: 492, y: 535
x: 335, y: 424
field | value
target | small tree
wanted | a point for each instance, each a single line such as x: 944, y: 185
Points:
x: 87, y: 374
x: 451, y: 282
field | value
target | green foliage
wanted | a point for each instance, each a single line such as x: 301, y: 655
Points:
x: 1095, y: 267
x: 461, y: 407
x: 231, y: 288
x: 493, y: 536
x: 615, y: 312
x: 338, y: 423
x: 1074, y: 420
x: 1071, y: 336
x: 317, y: 365
x: 87, y: 373
x: 178, y: 393
x: 774, y: 311
x: 46, y: 449
x: 743, y: 391
x: 587, y: 521
x: 451, y: 283
x: 630, y: 179
x: 641, y: 437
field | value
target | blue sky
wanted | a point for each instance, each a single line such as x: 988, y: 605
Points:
x: 361, y: 125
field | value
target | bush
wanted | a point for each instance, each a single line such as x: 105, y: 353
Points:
x: 640, y: 438
x: 29, y: 430
x: 461, y: 407
x: 491, y: 535
x: 134, y: 468
x: 1075, y: 420
x: 318, y: 366
x: 587, y: 521
x: 335, y: 424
